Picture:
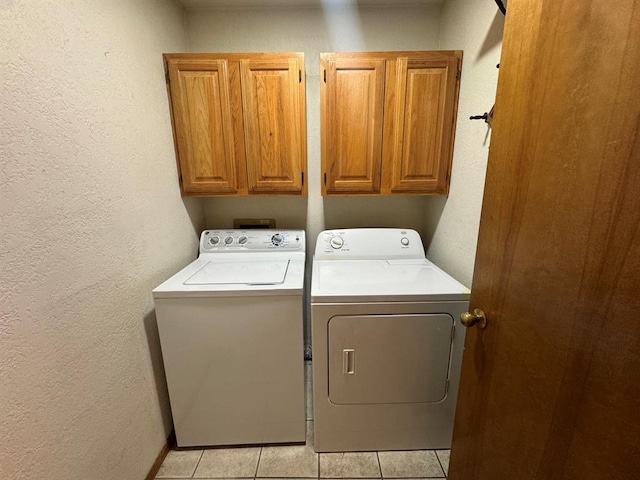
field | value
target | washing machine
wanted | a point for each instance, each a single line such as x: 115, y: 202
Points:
x: 230, y: 327
x: 386, y: 341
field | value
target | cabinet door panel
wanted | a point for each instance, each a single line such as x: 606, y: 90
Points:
x: 419, y: 128
x: 203, y: 125
x: 273, y: 103
x: 352, y: 120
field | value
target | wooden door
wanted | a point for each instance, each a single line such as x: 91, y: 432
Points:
x: 352, y: 94
x: 551, y: 388
x: 273, y: 96
x: 420, y: 114
x: 203, y: 127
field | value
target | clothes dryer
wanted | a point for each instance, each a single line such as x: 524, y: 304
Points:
x: 230, y: 326
x: 387, y: 343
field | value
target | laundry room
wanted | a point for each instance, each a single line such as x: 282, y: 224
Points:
x: 95, y: 219
x: 91, y: 185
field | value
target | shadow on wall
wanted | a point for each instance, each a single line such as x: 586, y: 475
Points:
x: 160, y: 381
x: 289, y: 211
x: 434, y: 207
x: 403, y: 211
x: 493, y: 38
x: 195, y: 211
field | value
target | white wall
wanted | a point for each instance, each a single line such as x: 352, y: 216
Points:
x: 452, y: 224
x: 307, y: 29
x: 91, y: 220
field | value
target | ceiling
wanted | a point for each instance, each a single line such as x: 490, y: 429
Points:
x: 305, y: 3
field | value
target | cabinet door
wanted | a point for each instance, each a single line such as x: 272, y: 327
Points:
x: 352, y: 93
x: 203, y: 128
x: 420, y: 115
x: 273, y: 98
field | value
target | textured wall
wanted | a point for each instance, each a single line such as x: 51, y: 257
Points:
x: 475, y: 27
x: 91, y: 220
x: 312, y: 31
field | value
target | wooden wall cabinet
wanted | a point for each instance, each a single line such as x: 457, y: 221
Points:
x: 388, y: 121
x: 239, y: 122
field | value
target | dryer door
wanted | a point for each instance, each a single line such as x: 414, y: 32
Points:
x: 389, y: 358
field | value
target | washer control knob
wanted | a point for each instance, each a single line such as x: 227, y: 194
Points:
x: 404, y: 241
x: 277, y: 239
x: 228, y: 240
x: 336, y: 242
x: 215, y: 240
x: 242, y: 239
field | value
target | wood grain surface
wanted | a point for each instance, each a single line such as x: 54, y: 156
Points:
x: 275, y: 131
x: 351, y: 110
x: 239, y: 122
x: 200, y: 102
x: 550, y: 390
x: 420, y: 117
x: 388, y: 121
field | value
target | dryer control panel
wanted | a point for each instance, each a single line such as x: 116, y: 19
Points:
x: 369, y: 243
x: 258, y: 240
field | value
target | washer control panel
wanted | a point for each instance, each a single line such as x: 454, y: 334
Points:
x: 251, y: 240
x: 369, y: 243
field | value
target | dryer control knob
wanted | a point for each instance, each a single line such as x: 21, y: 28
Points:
x: 215, y: 240
x: 404, y: 241
x: 228, y: 240
x: 336, y: 242
x: 277, y: 239
x: 242, y: 239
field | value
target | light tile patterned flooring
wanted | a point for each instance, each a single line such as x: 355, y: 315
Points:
x: 301, y: 461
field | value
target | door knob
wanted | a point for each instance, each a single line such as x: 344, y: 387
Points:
x: 476, y: 318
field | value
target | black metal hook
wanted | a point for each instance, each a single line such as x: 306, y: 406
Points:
x: 487, y: 117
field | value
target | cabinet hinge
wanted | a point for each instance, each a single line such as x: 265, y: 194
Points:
x: 325, y: 76
x: 166, y: 77
x: 325, y: 178
x: 302, y: 178
x: 300, y: 76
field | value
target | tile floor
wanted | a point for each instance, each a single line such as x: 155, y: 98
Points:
x: 301, y: 461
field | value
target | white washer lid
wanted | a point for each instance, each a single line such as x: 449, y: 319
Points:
x: 292, y: 283
x: 257, y: 272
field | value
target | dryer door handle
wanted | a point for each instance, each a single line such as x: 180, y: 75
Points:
x: 349, y: 361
